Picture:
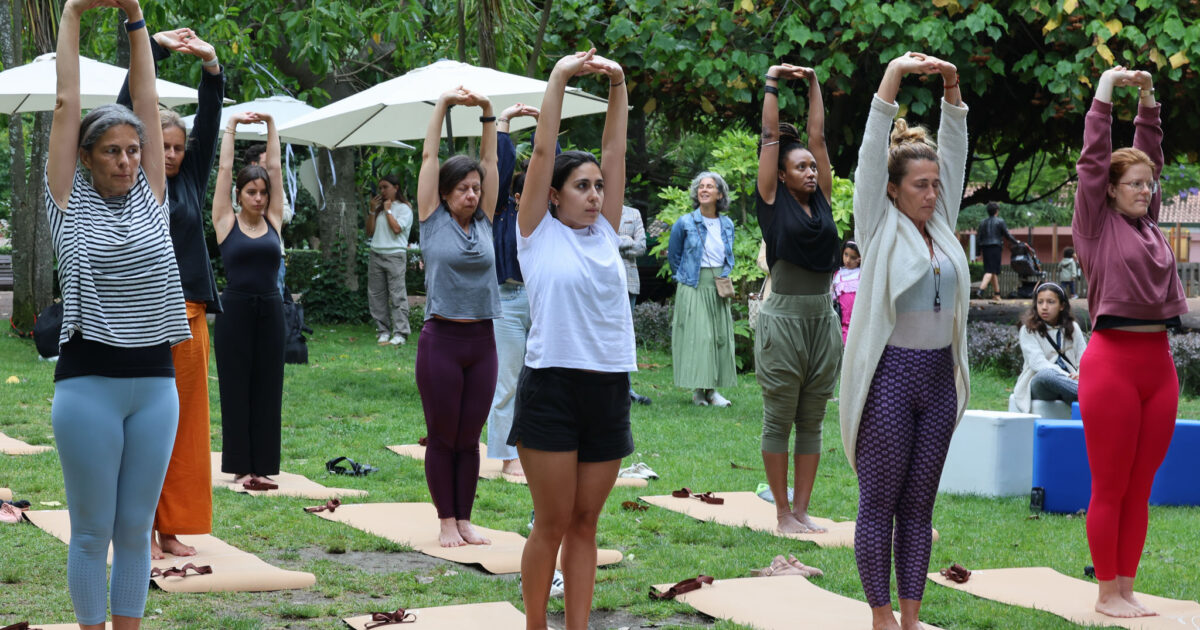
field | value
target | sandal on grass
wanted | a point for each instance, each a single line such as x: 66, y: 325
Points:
x: 387, y: 619
x: 355, y: 469
x: 20, y: 625
x: 807, y: 570
x: 330, y: 505
x: 779, y: 566
x: 181, y: 572
x: 956, y: 573
x: 707, y: 497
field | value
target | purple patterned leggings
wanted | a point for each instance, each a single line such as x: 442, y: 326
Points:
x: 903, y: 437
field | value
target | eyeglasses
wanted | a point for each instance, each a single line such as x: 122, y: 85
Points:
x: 1151, y: 186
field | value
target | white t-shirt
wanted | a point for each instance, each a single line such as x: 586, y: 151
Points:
x: 578, y: 303
x: 714, y: 245
x: 385, y: 241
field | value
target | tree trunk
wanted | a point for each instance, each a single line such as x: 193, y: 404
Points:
x: 531, y: 64
x: 462, y: 31
x: 487, y: 34
x: 338, y: 221
x: 33, y: 270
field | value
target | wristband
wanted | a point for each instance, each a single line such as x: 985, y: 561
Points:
x: 618, y: 83
x: 133, y: 26
x: 211, y: 62
x: 771, y: 89
x: 770, y: 78
x: 487, y: 119
x: 501, y: 120
x: 951, y: 86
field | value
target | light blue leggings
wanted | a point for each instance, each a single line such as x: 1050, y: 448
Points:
x: 114, y: 438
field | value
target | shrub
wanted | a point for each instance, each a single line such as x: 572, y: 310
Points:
x: 328, y: 300
x: 302, y: 267
x: 1185, y: 348
x: 652, y: 325
x: 994, y: 346
x: 416, y: 318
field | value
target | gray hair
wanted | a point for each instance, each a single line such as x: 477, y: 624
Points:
x: 100, y: 120
x: 722, y: 188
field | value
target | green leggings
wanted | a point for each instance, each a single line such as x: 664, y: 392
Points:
x: 797, y: 358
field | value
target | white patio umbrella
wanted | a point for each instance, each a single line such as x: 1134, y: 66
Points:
x: 399, y: 109
x: 283, y: 109
x: 31, y: 87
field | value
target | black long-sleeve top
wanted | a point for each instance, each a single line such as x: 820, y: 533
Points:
x: 187, y: 190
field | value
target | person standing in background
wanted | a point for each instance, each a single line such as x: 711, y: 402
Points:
x: 633, y: 244
x: 992, y: 233
x: 389, y: 261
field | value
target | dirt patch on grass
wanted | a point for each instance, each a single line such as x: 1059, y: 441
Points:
x: 385, y: 562
x: 620, y: 620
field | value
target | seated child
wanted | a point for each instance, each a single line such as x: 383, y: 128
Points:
x: 1052, y: 344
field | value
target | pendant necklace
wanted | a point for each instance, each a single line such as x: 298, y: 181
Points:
x: 937, y: 277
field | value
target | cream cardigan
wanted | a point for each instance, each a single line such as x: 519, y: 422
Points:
x: 895, y: 257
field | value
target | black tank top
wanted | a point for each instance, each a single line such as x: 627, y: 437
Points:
x: 251, y: 264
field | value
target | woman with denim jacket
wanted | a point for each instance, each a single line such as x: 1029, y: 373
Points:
x: 700, y: 251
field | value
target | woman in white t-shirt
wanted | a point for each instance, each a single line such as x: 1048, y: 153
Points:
x: 389, y: 219
x: 571, y: 426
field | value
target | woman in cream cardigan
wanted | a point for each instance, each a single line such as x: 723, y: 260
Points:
x: 904, y: 378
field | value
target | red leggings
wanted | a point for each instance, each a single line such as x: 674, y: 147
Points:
x: 1128, y: 395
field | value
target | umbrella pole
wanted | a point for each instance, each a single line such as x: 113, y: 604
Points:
x: 450, y: 130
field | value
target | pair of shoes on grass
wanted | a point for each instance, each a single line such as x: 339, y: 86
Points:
x: 706, y: 397
x: 638, y: 471
x: 396, y: 339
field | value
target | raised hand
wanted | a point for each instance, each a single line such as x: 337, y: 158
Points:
x: 199, y: 48
x: 174, y: 39
x: 517, y: 110
x: 376, y: 203
x: 474, y: 99
x: 84, y: 5
x: 244, y: 118
x: 575, y: 64
x: 917, y: 63
x: 607, y: 67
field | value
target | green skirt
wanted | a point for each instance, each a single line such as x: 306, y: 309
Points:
x: 702, y: 336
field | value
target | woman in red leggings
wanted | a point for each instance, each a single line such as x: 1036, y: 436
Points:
x: 1128, y: 390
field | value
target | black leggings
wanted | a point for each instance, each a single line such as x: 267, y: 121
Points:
x: 248, y: 341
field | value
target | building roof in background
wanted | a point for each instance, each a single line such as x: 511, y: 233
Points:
x: 1181, y: 209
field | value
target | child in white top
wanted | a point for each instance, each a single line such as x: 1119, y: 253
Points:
x: 845, y: 284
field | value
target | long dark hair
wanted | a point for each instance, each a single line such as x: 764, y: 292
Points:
x: 1066, y: 319
x: 565, y: 163
x: 395, y: 181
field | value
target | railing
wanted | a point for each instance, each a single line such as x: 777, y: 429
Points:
x: 1189, y: 275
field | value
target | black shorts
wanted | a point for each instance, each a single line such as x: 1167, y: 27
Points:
x: 991, y: 258
x: 560, y: 409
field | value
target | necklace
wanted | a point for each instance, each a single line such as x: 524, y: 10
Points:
x: 937, y: 277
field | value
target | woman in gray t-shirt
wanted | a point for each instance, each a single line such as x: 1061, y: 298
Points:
x: 456, y: 352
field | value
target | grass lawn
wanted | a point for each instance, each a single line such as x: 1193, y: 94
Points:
x: 355, y: 397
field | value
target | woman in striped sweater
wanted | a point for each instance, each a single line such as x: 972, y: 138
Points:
x: 115, y: 406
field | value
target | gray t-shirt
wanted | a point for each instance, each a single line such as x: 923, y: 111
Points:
x: 460, y: 267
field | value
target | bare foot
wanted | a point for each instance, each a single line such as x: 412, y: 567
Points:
x: 1146, y: 612
x: 156, y: 552
x: 448, y: 535
x: 915, y: 625
x: 1116, y: 606
x: 468, y: 533
x: 170, y: 544
x: 512, y: 467
x: 1125, y: 588
x: 888, y: 623
x: 807, y: 521
x: 789, y: 525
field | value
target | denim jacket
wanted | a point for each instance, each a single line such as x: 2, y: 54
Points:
x: 686, y: 247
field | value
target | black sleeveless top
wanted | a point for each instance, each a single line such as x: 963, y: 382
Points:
x: 251, y: 264
x: 791, y: 234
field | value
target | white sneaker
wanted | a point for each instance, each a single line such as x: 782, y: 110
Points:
x: 717, y: 400
x: 396, y: 340
x: 645, y: 471
x: 556, y: 584
x: 383, y: 338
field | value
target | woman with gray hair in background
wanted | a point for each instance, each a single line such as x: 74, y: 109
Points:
x: 700, y: 253
x: 115, y: 407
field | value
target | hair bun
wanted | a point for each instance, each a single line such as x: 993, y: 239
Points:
x: 788, y: 134
x: 903, y: 134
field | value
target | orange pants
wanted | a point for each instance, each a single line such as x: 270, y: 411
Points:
x: 185, y: 506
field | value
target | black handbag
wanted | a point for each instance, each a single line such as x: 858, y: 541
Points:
x: 46, y: 329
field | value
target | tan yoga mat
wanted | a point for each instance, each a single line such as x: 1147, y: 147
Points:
x: 784, y: 602
x: 1043, y: 588
x: 416, y: 525
x: 233, y: 569
x: 492, y: 615
x: 746, y: 509
x: 5, y: 494
x: 61, y: 626
x: 290, y: 485
x: 13, y: 446
x: 491, y: 468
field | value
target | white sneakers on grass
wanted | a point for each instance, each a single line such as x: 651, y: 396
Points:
x: 706, y: 397
x: 383, y: 338
x: 638, y: 471
x: 396, y: 340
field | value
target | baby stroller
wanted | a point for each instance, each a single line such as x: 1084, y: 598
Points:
x: 1028, y: 269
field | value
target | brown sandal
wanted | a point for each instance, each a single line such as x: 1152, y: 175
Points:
x: 707, y: 497
x: 20, y: 625
x: 386, y: 619
x: 330, y: 505
x: 181, y: 572
x: 680, y: 588
x: 256, y: 483
x: 956, y: 573
x: 807, y: 570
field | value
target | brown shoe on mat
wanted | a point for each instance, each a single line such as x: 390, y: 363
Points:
x: 808, y: 571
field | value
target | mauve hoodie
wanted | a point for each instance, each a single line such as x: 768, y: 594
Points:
x: 1129, y: 266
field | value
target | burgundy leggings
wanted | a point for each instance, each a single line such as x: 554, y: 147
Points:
x: 903, y: 437
x: 456, y: 375
x: 1128, y: 396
